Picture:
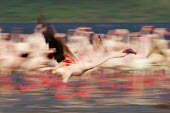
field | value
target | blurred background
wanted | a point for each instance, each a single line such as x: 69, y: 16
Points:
x: 134, y: 84
x: 85, y: 11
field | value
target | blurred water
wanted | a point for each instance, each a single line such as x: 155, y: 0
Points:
x: 28, y: 28
x: 109, y: 91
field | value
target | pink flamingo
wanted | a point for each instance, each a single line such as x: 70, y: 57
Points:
x: 81, y: 66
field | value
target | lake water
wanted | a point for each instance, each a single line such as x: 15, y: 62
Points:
x: 28, y: 28
x: 108, y: 91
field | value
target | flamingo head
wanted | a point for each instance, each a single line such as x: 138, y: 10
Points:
x: 128, y: 51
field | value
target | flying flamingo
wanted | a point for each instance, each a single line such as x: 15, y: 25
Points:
x: 81, y: 66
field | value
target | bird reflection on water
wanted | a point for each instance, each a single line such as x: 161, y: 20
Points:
x: 108, y: 90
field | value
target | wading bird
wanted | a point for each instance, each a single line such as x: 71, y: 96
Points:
x: 81, y: 66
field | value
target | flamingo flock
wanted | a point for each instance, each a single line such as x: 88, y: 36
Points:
x: 84, y: 52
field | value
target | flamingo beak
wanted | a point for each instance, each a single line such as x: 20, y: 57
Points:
x: 128, y: 51
x: 134, y: 53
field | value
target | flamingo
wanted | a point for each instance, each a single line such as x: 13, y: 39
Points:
x: 117, y: 37
x: 151, y: 50
x: 38, y: 52
x: 81, y: 66
x: 10, y: 58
